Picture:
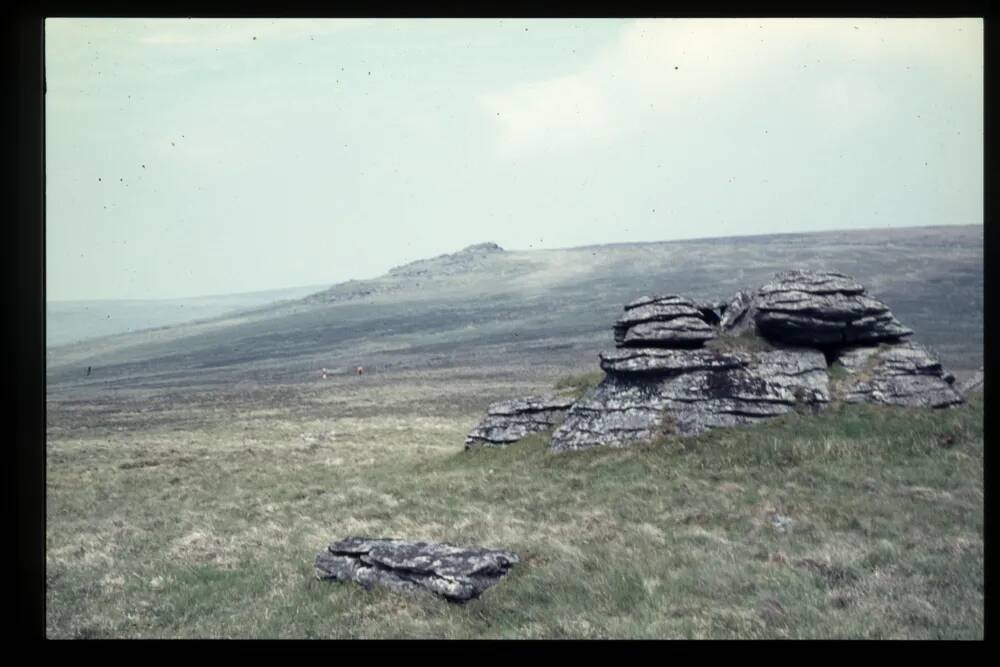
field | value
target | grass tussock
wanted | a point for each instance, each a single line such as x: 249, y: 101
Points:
x: 745, y: 341
x: 578, y: 385
x: 860, y: 522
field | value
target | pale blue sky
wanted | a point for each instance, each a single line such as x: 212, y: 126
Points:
x: 190, y: 157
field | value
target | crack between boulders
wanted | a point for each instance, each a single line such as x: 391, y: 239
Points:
x: 616, y: 430
x: 527, y: 411
x: 772, y: 401
x: 668, y: 372
x: 598, y: 411
x: 798, y: 373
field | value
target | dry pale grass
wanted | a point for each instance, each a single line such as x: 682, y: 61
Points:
x: 201, y: 516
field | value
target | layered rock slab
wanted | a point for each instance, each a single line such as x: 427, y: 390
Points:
x: 666, y: 321
x: 509, y: 421
x: 679, y: 331
x: 904, y: 374
x: 649, y: 392
x: 457, y: 574
x: 822, y: 309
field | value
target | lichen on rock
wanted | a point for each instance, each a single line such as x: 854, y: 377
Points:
x: 768, y: 353
x: 692, y: 366
x: 509, y: 421
x: 457, y: 574
x: 821, y: 309
x: 693, y: 389
x: 903, y: 374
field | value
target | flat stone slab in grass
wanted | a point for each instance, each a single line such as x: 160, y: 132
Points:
x: 457, y: 574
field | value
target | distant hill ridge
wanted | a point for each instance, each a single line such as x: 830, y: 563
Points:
x: 455, y: 262
x: 400, y: 277
x: 488, y: 305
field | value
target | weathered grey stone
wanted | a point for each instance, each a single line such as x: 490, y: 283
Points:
x: 824, y: 282
x: 738, y: 315
x: 822, y: 309
x: 669, y: 299
x: 667, y: 321
x: 458, y: 574
x: 648, y: 392
x: 617, y: 413
x: 677, y: 332
x: 904, y: 374
x: 828, y: 307
x: 657, y: 312
x: 972, y: 384
x: 509, y: 421
x: 659, y: 360
x: 661, y: 379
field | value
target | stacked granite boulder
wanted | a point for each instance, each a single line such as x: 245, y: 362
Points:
x: 831, y: 312
x: 768, y: 354
x: 823, y: 310
x: 670, y: 321
x: 673, y: 383
x: 682, y: 367
x: 509, y: 421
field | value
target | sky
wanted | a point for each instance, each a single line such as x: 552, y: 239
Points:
x: 187, y: 157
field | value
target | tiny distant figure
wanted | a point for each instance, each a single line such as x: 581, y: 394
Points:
x: 360, y: 370
x: 88, y: 371
x: 323, y: 373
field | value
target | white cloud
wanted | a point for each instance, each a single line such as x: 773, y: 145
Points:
x: 847, y: 104
x: 114, y: 34
x: 220, y: 32
x: 668, y: 63
x: 947, y: 40
x: 553, y: 113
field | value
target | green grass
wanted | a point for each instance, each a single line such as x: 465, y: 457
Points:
x: 837, y: 371
x: 210, y: 531
x: 578, y: 385
x: 745, y: 341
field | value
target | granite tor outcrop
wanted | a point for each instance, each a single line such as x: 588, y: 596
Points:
x: 682, y: 366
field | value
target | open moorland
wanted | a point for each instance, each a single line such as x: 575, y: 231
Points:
x: 193, y: 475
